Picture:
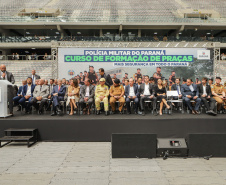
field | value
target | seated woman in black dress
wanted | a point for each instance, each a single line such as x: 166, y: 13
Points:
x: 160, y: 92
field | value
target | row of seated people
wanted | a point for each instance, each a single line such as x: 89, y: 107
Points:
x: 41, y: 94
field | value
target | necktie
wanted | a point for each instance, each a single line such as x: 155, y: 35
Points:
x: 178, y: 89
x: 59, y: 89
x: 40, y: 87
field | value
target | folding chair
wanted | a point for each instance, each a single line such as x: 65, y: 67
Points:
x: 170, y: 95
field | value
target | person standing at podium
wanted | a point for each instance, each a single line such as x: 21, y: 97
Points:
x: 5, y: 75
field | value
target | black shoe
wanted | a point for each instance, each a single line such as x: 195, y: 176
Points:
x: 128, y: 112
x: 143, y: 113
x: 113, y: 112
x: 54, y: 114
x: 40, y: 112
x: 155, y: 113
x: 98, y: 112
x: 106, y: 113
x: 135, y: 112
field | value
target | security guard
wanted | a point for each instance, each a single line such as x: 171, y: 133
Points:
x: 117, y: 92
x: 101, y: 94
x: 218, y: 93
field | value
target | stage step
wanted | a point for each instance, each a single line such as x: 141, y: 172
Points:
x: 20, y: 135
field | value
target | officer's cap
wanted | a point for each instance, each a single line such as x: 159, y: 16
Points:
x: 102, y: 80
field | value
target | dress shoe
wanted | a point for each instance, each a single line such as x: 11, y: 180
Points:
x: 98, y: 112
x: 40, y: 112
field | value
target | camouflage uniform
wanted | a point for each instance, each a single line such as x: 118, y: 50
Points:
x: 218, y: 89
x: 101, y: 91
x: 117, y: 91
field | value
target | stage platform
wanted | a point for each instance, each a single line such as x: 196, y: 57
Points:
x: 98, y: 128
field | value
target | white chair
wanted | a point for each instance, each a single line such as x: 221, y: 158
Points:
x: 170, y: 95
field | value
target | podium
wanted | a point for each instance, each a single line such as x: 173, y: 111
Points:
x: 5, y: 87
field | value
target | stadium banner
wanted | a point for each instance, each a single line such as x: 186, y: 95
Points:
x: 186, y: 62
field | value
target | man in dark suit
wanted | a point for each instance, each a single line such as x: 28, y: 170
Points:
x: 205, y: 95
x: 34, y: 76
x: 190, y: 92
x: 108, y: 80
x: 19, y: 95
x: 58, y: 95
x: 86, y: 95
x: 5, y: 75
x: 177, y: 87
x: 27, y: 94
x: 147, y: 93
x: 132, y: 94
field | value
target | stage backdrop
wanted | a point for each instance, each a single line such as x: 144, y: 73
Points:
x: 186, y: 62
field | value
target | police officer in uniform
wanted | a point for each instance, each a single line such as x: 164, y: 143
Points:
x: 101, y: 94
x: 117, y: 92
x: 218, y: 93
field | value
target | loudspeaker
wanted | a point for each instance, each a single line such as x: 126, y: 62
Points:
x: 133, y: 145
x: 176, y: 147
x: 207, y: 144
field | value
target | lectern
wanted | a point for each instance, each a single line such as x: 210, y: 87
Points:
x: 5, y: 87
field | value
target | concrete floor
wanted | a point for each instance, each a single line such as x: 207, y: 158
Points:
x: 73, y: 163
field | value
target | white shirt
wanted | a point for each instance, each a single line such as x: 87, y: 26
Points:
x: 33, y: 79
x: 146, y: 89
x: 5, y: 75
x: 28, y: 90
x: 178, y: 88
x: 131, y: 91
x: 87, y: 91
x: 204, y: 90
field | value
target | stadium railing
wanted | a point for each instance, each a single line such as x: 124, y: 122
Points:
x: 110, y: 38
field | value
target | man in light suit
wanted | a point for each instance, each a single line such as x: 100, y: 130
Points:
x: 5, y: 75
x: 132, y: 94
x: 58, y: 95
x: 190, y: 92
x: 27, y: 94
x: 34, y: 76
x: 40, y: 93
x: 147, y: 93
x: 86, y: 95
x: 19, y: 95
